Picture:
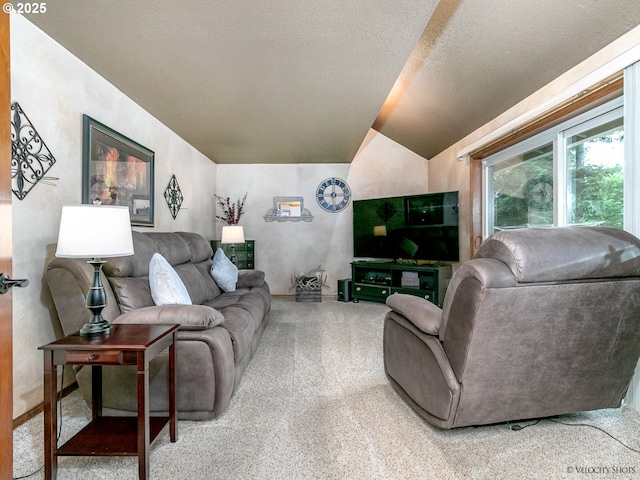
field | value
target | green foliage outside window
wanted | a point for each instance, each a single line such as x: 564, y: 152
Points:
x: 511, y: 208
x: 597, y: 184
x: 600, y: 196
x: 523, y: 179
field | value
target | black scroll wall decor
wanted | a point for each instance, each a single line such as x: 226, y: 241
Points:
x: 31, y: 159
x: 173, y: 196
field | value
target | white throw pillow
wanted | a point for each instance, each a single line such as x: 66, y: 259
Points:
x: 224, y: 272
x: 167, y: 288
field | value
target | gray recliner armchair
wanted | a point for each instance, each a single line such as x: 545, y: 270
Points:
x: 541, y: 322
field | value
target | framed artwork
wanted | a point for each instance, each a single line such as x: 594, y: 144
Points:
x: 117, y: 171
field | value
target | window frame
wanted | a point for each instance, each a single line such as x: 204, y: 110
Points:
x: 556, y: 136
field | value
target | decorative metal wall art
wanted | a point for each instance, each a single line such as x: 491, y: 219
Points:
x: 173, y: 196
x: 30, y: 156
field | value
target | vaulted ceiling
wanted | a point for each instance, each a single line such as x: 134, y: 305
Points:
x: 284, y: 81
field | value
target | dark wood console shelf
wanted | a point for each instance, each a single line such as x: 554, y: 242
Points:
x: 126, y: 344
x: 375, y: 281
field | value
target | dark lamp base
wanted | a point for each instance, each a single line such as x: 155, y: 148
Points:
x: 94, y: 329
x: 96, y: 301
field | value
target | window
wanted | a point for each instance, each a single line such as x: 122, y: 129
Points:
x: 594, y: 156
x: 569, y: 174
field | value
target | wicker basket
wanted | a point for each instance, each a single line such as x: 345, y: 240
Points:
x: 308, y: 289
x: 308, y: 294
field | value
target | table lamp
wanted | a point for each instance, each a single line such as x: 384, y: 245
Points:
x: 232, y: 234
x: 380, y: 231
x: 95, y: 231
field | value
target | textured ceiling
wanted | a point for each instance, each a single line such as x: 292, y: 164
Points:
x: 280, y: 81
x: 478, y: 58
x: 249, y: 81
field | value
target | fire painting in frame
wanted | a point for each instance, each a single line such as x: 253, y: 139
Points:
x: 117, y: 171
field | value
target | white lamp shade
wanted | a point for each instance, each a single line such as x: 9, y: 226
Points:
x: 232, y: 234
x: 94, y: 231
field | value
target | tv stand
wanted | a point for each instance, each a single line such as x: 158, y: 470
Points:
x: 375, y: 281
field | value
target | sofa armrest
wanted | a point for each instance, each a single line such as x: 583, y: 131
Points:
x: 190, y: 317
x: 422, y: 313
x: 250, y: 278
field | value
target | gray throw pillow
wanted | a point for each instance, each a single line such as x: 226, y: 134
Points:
x: 224, y: 272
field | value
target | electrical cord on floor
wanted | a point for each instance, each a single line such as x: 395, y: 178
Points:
x: 59, y: 426
x: 516, y: 428
x: 58, y: 432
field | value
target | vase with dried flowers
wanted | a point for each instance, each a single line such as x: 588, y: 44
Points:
x: 231, y: 211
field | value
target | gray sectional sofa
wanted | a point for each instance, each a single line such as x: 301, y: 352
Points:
x: 219, y: 332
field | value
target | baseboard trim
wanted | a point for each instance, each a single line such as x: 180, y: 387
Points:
x: 25, y: 417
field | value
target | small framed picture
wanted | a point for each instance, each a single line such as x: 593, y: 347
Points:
x: 117, y: 171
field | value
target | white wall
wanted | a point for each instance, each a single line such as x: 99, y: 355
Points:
x: 54, y: 89
x: 381, y: 168
x: 384, y: 168
x: 285, y: 248
x: 447, y: 173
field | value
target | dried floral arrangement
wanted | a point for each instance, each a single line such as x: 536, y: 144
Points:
x: 232, y: 211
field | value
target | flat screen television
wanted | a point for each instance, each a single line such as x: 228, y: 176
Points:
x: 415, y: 227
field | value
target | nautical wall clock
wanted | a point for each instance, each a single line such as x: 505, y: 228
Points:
x: 333, y: 194
x: 539, y: 192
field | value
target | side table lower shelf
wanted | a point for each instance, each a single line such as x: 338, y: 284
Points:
x: 110, y: 436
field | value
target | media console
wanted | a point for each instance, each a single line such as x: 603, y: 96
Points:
x: 375, y: 281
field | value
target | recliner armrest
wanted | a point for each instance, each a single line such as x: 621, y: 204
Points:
x: 250, y: 278
x: 190, y: 317
x: 422, y: 313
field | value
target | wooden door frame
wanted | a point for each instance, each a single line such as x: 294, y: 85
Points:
x: 475, y: 184
x: 6, y: 327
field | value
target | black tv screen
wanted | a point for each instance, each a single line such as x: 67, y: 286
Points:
x: 416, y: 227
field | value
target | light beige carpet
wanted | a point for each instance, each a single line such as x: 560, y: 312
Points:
x: 314, y: 403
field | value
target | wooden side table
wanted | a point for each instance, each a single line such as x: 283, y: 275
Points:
x: 127, y: 344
